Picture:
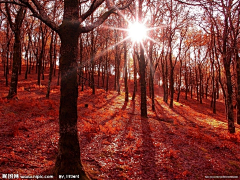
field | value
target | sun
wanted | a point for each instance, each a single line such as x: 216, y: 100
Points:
x: 137, y: 31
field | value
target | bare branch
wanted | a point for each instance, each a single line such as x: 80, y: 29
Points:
x: 9, y: 18
x: 187, y: 3
x: 94, y: 6
x: 125, y: 6
x: 13, y: 2
x: 40, y: 14
x: 102, y: 18
x: 98, y: 22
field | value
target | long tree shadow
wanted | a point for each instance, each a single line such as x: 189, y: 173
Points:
x: 160, y: 111
x: 129, y: 122
x: 205, y: 107
x: 191, y: 140
x: 107, y: 102
x: 114, y: 115
x: 191, y: 120
x: 148, y: 152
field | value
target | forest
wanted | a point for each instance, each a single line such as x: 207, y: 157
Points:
x: 124, y: 89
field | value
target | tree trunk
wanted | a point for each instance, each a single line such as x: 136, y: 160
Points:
x: 92, y: 59
x: 15, y: 66
x: 200, y: 84
x: 152, y: 72
x: 68, y: 159
x: 231, y: 127
x: 26, y: 56
x: 135, y: 77
x: 51, y: 66
x: 171, y: 87
x: 16, y: 28
x: 142, y: 67
x: 180, y: 81
x: 117, y: 59
x: 186, y: 81
x: 107, y: 72
x: 125, y: 71
x: 206, y: 88
x: 238, y: 89
x: 7, y: 53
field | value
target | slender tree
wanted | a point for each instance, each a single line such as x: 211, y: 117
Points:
x: 16, y: 28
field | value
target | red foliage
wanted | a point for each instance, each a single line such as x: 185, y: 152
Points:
x: 186, y: 142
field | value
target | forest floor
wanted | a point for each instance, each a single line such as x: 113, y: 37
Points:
x: 186, y: 142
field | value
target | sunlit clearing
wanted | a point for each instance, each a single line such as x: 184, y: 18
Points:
x: 137, y: 32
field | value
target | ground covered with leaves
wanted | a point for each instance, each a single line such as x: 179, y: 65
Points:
x: 186, y: 142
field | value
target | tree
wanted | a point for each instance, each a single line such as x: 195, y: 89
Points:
x: 16, y: 28
x: 142, y: 68
x: 125, y: 71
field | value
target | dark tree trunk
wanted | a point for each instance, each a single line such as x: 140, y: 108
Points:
x: 16, y: 28
x: 103, y: 75
x: 40, y: 59
x: 125, y: 71
x: 214, y: 101
x: 171, y: 78
x: 117, y: 59
x: 26, y: 56
x: 165, y: 78
x: 51, y: 66
x: 30, y: 62
x: 238, y: 87
x: 186, y: 81
x: 58, y: 78
x: 116, y: 64
x: 135, y: 77
x: 227, y: 64
x: 68, y: 159
x: 196, y: 81
x: 7, y: 54
x: 7, y: 70
x: 191, y: 82
x: 142, y: 67
x: 92, y: 59
x: 231, y: 127
x: 15, y: 66
x: 200, y: 84
x: 99, y: 73
x: 180, y: 81
x: 20, y: 62
x: 152, y: 72
x: 171, y: 87
x: 152, y: 88
x: 206, y: 89
x: 107, y: 73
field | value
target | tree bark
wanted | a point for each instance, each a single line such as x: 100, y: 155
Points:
x: 142, y: 66
x: 238, y: 87
x: 125, y: 71
x: 180, y: 81
x: 92, y: 59
x: 16, y: 28
x: 68, y: 159
x: 135, y: 77
x: 51, y: 66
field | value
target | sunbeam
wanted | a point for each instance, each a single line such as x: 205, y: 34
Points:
x: 103, y: 52
x: 114, y: 28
